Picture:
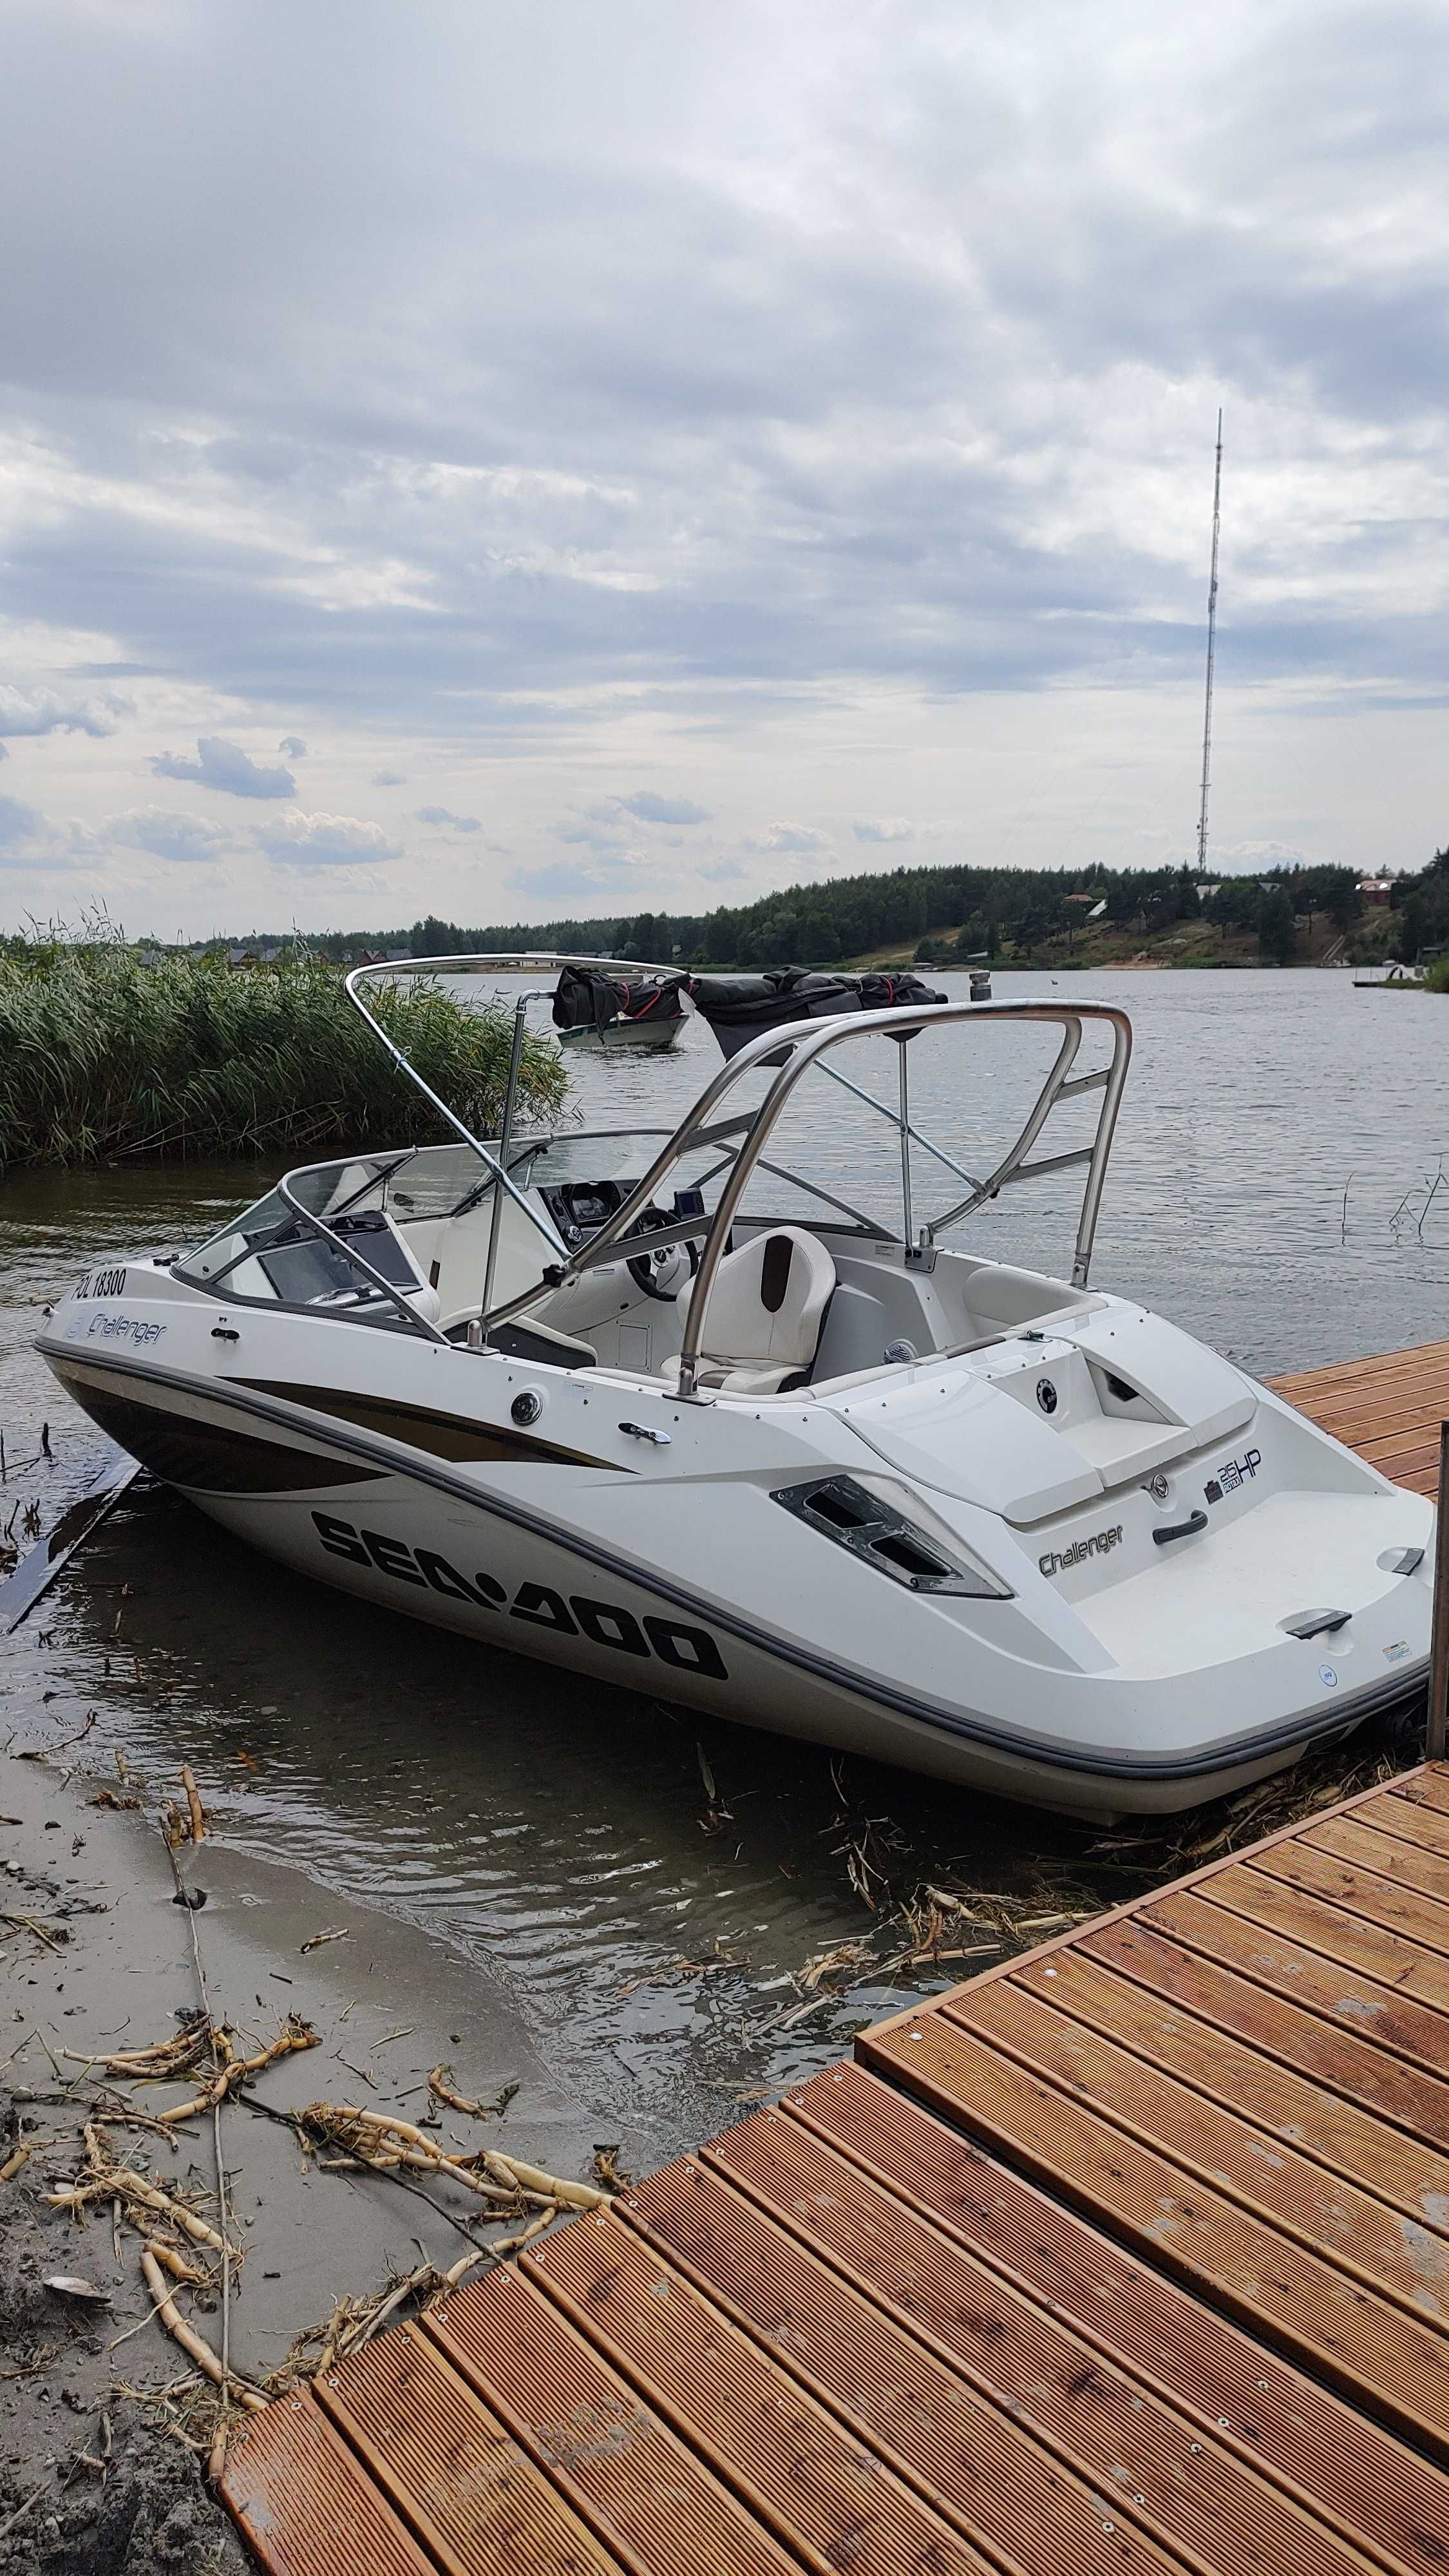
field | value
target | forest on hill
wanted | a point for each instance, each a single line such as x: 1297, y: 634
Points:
x: 1014, y: 915
x: 944, y: 915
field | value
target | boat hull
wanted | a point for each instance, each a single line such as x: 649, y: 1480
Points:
x: 625, y: 1037
x: 530, y: 1565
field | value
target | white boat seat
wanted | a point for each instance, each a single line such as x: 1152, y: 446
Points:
x: 765, y: 1313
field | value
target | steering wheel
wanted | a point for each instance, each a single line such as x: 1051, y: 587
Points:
x: 661, y: 1274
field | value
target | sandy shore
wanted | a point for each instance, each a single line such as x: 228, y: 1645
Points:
x: 93, y: 2481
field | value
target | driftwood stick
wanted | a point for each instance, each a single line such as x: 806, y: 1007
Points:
x: 193, y: 1801
x: 191, y: 2342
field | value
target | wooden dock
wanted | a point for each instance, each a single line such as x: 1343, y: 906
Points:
x: 1128, y: 2258
x: 1131, y: 2255
x: 1388, y: 1408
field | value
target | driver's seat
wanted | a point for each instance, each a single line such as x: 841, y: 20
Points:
x: 765, y: 1313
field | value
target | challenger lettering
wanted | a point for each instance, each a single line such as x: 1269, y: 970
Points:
x: 1101, y: 1543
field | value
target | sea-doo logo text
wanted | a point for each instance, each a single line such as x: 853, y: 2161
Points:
x: 689, y: 1650
x: 1101, y: 1543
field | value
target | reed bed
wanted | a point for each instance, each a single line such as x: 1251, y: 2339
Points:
x: 110, y: 1054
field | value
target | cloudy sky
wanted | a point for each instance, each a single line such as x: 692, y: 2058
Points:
x: 506, y: 456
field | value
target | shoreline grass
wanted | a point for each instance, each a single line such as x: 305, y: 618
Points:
x: 108, y: 1054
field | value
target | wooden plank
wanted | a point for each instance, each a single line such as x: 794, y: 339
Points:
x: 1425, y: 1355
x: 1364, y: 2341
x: 980, y: 2466
x: 784, y: 2454
x: 1345, y: 1995
x: 299, y: 2497
x: 1427, y: 1788
x: 1403, y: 1418
x: 1412, y: 1390
x: 1411, y: 1918
x: 1407, y: 1821
x: 451, y: 2469
x: 1400, y: 1456
x: 1347, y: 2466
x: 1293, y: 2109
x: 1196, y: 2494
x: 615, y: 2462
x: 1346, y: 1839
x: 1275, y: 2182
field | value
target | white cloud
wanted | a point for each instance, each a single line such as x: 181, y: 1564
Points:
x: 325, y: 841
x: 31, y: 842
x: 801, y: 838
x: 41, y: 711
x: 883, y: 827
x: 186, y: 837
x: 440, y: 817
x: 226, y: 766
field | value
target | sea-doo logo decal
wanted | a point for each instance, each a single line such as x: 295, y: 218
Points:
x: 102, y: 1283
x: 1237, y: 1472
x: 1046, y: 1395
x: 1101, y: 1543
x: 688, y: 1650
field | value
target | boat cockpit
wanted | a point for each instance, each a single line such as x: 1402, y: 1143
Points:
x: 753, y: 1250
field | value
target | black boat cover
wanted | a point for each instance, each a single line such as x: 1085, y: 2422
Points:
x: 738, y: 1007
x: 586, y: 998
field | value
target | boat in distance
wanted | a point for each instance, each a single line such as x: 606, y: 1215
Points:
x: 720, y: 1413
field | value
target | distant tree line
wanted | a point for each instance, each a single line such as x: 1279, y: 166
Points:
x: 946, y: 913
x: 999, y: 912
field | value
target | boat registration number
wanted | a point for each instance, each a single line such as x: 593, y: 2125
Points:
x: 687, y: 1649
x: 102, y: 1283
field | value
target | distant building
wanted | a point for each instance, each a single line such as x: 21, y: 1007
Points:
x: 1376, y: 889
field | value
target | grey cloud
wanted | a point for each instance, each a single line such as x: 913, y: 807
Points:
x: 568, y: 882
x: 292, y: 747
x: 439, y: 814
x: 226, y: 766
x: 720, y: 381
x: 648, y: 808
x: 325, y: 841
x: 18, y: 822
x: 40, y: 711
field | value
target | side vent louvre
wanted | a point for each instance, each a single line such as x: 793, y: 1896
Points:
x: 844, y: 1512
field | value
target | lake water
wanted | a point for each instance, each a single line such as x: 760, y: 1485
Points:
x: 1273, y: 1190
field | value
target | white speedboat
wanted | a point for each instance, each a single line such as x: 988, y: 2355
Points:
x: 723, y: 1414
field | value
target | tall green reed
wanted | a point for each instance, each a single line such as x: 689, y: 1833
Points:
x: 109, y: 1053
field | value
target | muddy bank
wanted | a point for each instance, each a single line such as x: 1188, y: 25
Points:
x: 98, y: 1956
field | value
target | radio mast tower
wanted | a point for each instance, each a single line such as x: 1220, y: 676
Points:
x: 1207, y: 719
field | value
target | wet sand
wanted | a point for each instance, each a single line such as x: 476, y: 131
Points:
x: 117, y: 1973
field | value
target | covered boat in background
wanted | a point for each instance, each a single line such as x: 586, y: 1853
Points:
x: 621, y: 1014
x: 738, y: 1007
